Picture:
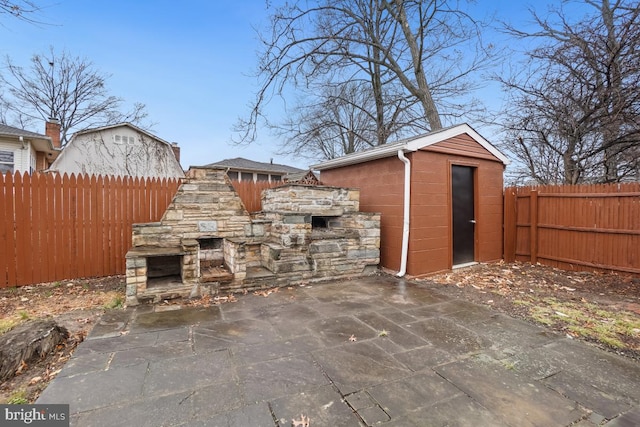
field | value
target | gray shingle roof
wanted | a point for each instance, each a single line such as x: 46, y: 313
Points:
x: 240, y: 163
x: 12, y: 131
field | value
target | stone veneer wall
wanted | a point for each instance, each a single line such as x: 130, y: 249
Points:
x: 277, y: 247
x: 346, y: 247
x: 314, y: 200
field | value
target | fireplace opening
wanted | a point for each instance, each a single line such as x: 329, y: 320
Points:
x: 211, y: 256
x: 164, y: 270
x: 321, y: 222
x: 211, y: 253
x: 210, y: 243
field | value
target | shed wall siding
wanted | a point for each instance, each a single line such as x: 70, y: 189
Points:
x: 430, y: 238
x: 430, y: 246
x: 381, y: 184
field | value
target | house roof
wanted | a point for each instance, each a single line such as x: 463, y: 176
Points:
x: 117, y: 125
x: 38, y: 141
x: 6, y: 130
x: 242, y: 164
x: 411, y: 144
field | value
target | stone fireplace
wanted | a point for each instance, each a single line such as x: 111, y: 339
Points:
x: 207, y: 242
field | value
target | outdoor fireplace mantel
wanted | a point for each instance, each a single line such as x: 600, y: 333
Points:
x: 151, y: 251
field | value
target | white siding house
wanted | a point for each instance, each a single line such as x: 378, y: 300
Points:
x: 24, y: 151
x: 119, y: 150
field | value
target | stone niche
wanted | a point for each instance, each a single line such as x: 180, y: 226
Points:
x: 206, y: 241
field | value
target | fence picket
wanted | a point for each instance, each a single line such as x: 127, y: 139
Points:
x: 56, y: 227
x: 8, y: 249
x: 585, y: 227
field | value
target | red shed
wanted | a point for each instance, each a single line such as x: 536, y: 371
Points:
x: 440, y: 196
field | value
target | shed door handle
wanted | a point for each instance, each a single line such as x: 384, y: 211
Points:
x: 472, y: 221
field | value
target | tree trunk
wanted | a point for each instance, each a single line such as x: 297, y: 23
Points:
x: 614, y: 92
x: 423, y: 92
x: 26, y: 343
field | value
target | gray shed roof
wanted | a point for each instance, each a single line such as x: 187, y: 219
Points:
x: 240, y: 163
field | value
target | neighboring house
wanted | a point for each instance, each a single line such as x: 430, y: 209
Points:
x: 25, y: 151
x: 119, y: 150
x: 240, y: 169
x: 440, y: 195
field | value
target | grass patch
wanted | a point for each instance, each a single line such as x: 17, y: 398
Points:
x: 18, y: 397
x: 522, y: 302
x: 509, y: 365
x: 587, y: 320
x: 6, y: 325
x: 23, y: 315
x: 115, y: 302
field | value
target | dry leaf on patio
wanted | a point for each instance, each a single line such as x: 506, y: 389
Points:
x: 267, y: 292
x: 302, y: 422
x: 353, y: 338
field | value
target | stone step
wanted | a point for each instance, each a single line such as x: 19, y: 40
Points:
x: 288, y: 265
x: 215, y: 274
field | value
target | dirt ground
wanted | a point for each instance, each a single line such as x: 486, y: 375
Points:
x: 601, y: 308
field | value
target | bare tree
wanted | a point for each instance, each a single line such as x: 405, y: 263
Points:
x: 67, y: 88
x: 23, y: 10
x: 430, y: 49
x: 574, y: 114
x: 338, y: 123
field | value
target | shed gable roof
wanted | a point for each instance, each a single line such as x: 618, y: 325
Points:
x: 412, y: 144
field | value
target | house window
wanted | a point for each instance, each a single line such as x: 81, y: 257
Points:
x: 247, y: 176
x: 6, y: 161
x: 263, y: 177
x: 124, y: 139
x: 233, y: 175
x: 276, y: 178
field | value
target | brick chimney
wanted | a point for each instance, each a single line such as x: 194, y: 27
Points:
x: 176, y: 150
x: 52, y: 130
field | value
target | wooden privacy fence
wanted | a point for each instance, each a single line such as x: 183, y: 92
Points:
x: 56, y: 227
x: 251, y: 192
x: 582, y: 227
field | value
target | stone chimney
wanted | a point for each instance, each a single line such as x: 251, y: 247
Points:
x: 176, y: 150
x: 52, y: 130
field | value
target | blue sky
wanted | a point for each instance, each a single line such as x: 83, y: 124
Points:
x: 189, y: 62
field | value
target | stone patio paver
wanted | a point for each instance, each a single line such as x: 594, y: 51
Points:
x: 265, y: 361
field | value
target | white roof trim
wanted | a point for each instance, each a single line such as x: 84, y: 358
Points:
x: 412, y: 144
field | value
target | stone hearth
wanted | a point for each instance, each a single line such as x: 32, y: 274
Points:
x: 207, y: 242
